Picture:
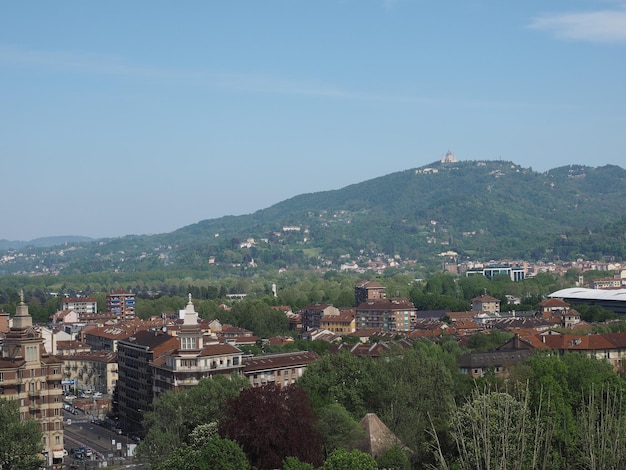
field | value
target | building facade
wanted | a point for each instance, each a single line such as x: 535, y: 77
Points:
x: 193, y: 360
x: 311, y: 315
x: 397, y: 314
x: 82, y: 306
x: 369, y: 290
x: 279, y: 369
x: 121, y: 303
x: 485, y: 303
x: 93, y: 370
x: 135, y: 374
x: 32, y: 377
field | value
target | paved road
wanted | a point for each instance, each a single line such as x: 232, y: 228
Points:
x: 80, y: 431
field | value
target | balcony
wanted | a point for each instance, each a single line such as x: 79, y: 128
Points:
x: 34, y: 393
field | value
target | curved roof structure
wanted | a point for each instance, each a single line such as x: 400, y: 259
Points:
x: 618, y: 295
x: 614, y: 299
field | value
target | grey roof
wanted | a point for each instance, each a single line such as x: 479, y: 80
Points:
x: 617, y: 295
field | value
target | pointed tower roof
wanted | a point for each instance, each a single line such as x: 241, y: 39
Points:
x: 378, y: 438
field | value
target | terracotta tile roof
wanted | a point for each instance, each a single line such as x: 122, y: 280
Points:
x: 100, y: 356
x: 553, y: 303
x: 485, y: 298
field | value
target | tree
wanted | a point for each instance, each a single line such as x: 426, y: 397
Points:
x: 341, y: 378
x: 394, y: 458
x: 20, y: 440
x: 215, y: 454
x: 338, y: 428
x: 292, y: 463
x: 341, y: 459
x: 272, y: 423
x: 175, y: 414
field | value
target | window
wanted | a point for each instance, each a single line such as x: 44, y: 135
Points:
x: 57, y: 439
x: 1, y: 376
x: 56, y: 412
x: 31, y: 355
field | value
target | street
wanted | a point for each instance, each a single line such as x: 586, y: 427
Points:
x: 106, y: 445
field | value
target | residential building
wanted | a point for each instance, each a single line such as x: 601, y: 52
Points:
x: 80, y: 305
x: 280, y: 369
x: 341, y: 324
x: 32, y: 377
x: 135, y: 356
x: 369, y: 290
x: 606, y: 283
x: 610, y: 347
x: 92, y: 370
x: 121, y: 303
x: 485, y: 303
x: 396, y: 314
x: 311, y: 315
x: 107, y: 337
x: 499, y: 362
x: 194, y: 359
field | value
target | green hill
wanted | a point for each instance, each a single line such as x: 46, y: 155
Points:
x: 480, y: 210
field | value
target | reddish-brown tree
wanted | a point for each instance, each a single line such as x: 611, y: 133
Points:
x: 272, y: 423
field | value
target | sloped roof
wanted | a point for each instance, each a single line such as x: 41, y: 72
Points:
x: 378, y: 437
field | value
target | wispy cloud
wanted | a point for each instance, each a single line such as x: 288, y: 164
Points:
x: 605, y: 26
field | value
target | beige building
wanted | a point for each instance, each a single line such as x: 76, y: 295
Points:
x: 342, y: 324
x: 193, y: 360
x: 32, y: 377
x: 92, y: 370
x: 485, y: 303
x: 280, y: 369
x: 82, y: 306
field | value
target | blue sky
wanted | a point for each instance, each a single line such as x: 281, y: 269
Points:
x: 139, y: 117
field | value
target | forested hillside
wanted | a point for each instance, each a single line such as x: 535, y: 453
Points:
x: 480, y: 210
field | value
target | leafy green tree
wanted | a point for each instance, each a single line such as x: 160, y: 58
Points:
x: 394, y: 458
x: 223, y: 454
x: 175, y: 414
x: 338, y: 428
x: 20, y: 440
x: 415, y: 388
x: 341, y: 459
x: 292, y: 463
x: 341, y: 378
x: 215, y: 454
